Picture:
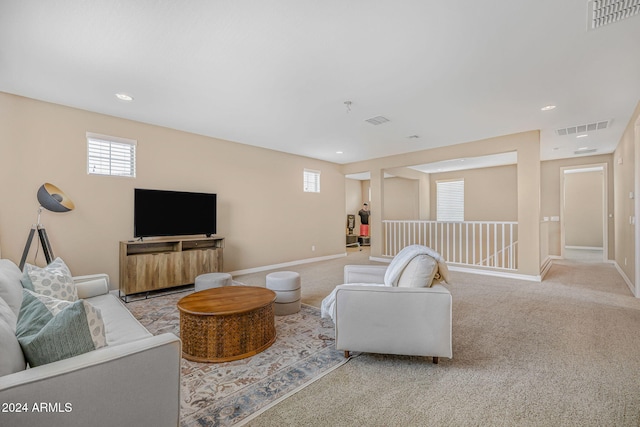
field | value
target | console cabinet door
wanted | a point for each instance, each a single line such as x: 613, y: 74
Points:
x: 148, y: 272
x: 169, y: 267
x: 195, y: 262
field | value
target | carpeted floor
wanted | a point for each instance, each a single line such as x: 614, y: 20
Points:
x: 564, y: 352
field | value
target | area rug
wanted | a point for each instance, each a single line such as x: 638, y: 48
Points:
x: 231, y: 393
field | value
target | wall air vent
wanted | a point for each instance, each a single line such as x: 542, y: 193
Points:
x: 580, y: 129
x: 377, y: 120
x: 605, y: 12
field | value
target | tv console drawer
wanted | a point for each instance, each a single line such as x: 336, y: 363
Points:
x: 200, y: 244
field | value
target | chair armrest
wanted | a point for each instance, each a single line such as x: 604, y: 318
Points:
x: 91, y: 285
x: 384, y: 319
x: 364, y: 273
x: 136, y: 383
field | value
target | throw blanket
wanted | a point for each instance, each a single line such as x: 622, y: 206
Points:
x: 405, y: 256
x: 392, y: 275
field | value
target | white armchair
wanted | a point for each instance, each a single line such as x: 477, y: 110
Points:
x: 395, y: 309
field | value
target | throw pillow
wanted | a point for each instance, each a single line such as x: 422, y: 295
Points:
x: 418, y: 273
x: 49, y: 329
x: 10, y: 289
x: 54, y: 280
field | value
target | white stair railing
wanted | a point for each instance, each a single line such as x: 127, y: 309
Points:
x: 474, y: 243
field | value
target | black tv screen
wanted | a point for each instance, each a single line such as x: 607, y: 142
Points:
x: 173, y: 213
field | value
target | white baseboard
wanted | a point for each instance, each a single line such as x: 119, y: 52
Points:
x: 585, y: 248
x: 546, y: 265
x: 495, y: 273
x: 626, y: 279
x: 285, y: 264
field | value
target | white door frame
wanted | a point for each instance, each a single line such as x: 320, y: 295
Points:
x: 605, y: 206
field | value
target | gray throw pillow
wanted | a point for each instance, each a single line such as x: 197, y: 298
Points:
x: 49, y: 329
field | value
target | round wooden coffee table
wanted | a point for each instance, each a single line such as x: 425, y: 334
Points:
x: 227, y: 323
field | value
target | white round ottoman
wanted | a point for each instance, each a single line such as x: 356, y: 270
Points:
x: 212, y: 280
x: 286, y: 285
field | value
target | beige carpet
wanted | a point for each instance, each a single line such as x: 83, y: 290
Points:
x: 564, y: 352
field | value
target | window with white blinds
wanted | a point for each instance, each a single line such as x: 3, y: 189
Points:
x: 311, y: 181
x: 450, y: 200
x: 109, y: 155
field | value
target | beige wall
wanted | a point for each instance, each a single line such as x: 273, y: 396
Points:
x: 263, y: 212
x: 626, y: 161
x: 583, y: 209
x: 490, y: 194
x: 550, y: 192
x: 402, y: 199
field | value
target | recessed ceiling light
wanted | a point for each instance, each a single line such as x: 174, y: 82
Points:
x: 338, y: 152
x: 582, y: 135
x: 548, y: 107
x: 583, y: 148
x: 124, y: 97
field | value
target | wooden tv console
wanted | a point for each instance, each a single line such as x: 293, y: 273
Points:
x: 152, y: 265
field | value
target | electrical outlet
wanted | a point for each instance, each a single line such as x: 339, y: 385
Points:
x: 313, y: 248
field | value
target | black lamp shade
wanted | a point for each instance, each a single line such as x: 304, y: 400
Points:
x: 53, y: 199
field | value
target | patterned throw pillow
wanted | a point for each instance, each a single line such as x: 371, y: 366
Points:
x: 54, y: 280
x: 49, y: 329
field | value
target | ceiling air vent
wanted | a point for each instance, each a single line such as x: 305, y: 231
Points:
x: 588, y: 151
x: 579, y: 129
x: 378, y: 120
x: 605, y: 12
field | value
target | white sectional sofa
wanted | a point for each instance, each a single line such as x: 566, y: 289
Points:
x: 133, y: 381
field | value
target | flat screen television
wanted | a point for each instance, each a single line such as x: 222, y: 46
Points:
x: 173, y: 213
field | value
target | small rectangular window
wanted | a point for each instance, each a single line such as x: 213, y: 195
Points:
x: 450, y: 200
x: 311, y: 181
x: 110, y: 155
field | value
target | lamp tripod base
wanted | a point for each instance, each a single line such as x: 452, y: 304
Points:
x: 44, y: 241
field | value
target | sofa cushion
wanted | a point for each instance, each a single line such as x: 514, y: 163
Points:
x: 120, y: 325
x: 7, y: 314
x: 54, y: 280
x: 49, y: 329
x: 418, y: 273
x: 11, y: 357
x: 10, y: 287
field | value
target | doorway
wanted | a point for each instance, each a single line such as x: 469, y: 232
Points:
x: 584, y: 231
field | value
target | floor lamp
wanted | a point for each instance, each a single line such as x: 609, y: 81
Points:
x: 53, y: 199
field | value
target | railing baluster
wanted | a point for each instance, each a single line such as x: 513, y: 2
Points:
x: 493, y: 244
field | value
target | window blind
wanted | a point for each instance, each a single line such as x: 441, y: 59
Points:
x: 450, y: 200
x: 111, y: 156
x: 311, y: 181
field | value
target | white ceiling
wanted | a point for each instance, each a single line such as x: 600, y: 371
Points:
x: 276, y: 73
